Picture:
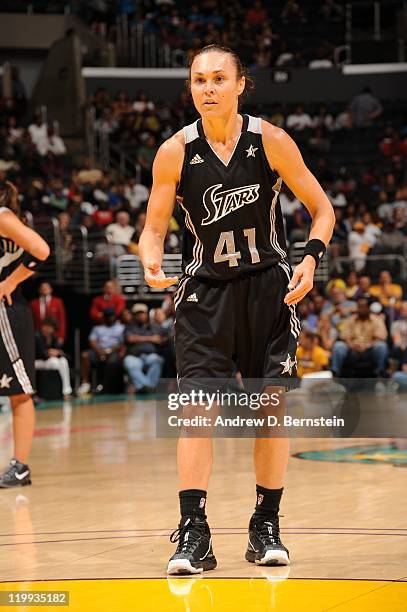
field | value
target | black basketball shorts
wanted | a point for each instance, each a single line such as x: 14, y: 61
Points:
x: 241, y: 324
x: 17, y: 348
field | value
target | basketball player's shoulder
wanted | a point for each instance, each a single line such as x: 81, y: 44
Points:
x: 8, y: 221
x: 170, y: 156
x: 278, y: 145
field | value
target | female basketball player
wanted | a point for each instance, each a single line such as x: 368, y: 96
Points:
x: 236, y: 299
x: 21, y: 250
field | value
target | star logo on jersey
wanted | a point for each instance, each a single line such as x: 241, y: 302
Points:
x: 251, y: 151
x: 288, y: 364
x: 5, y: 381
x: 218, y: 203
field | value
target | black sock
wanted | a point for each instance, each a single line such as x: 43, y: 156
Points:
x: 268, y: 502
x: 192, y: 502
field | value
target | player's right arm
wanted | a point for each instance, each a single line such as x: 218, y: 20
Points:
x: 166, y: 175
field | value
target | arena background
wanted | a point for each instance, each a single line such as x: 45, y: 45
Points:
x: 88, y: 92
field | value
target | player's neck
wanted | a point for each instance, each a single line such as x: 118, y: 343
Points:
x: 222, y: 129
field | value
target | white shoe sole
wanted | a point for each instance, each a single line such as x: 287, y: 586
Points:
x: 182, y: 566
x: 274, y: 557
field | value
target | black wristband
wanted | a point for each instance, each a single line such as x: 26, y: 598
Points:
x: 316, y: 248
x: 30, y: 262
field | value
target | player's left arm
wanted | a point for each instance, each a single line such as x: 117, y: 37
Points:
x: 36, y: 250
x: 285, y: 158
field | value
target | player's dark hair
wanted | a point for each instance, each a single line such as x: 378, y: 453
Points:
x: 9, y: 197
x: 241, y: 70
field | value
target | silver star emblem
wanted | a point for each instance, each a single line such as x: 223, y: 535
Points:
x: 5, y: 381
x: 288, y: 364
x: 251, y: 151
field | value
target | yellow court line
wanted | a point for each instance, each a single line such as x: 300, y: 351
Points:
x: 220, y: 595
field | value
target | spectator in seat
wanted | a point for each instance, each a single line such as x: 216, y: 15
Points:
x: 364, y: 288
x: 38, y: 133
x: 105, y: 354
x: 145, y: 157
x: 327, y: 333
x: 55, y: 143
x: 352, y: 285
x: 110, y: 298
x: 299, y: 120
x: 311, y: 356
x: 400, y: 377
x: 398, y: 331
x: 364, y: 337
x: 364, y: 108
x: 47, y: 306
x: 388, y: 293
x: 136, y: 193
x: 358, y: 245
x: 143, y: 340
x: 50, y: 356
x: 339, y: 308
x: 120, y: 233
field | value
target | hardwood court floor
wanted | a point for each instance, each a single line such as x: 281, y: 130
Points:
x: 104, y: 501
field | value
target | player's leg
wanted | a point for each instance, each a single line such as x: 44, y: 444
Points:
x: 266, y: 348
x: 17, y: 356
x: 18, y: 472
x: 203, y: 331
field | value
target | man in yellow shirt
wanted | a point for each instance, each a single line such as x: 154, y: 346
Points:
x: 311, y: 357
x: 387, y: 292
x: 364, y: 339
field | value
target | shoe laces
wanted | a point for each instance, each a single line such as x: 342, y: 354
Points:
x: 187, y: 535
x: 269, y: 531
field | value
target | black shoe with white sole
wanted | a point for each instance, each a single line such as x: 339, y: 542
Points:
x: 265, y: 546
x: 16, y: 475
x: 194, y: 552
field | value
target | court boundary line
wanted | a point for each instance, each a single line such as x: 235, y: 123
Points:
x: 164, y: 577
x: 165, y: 535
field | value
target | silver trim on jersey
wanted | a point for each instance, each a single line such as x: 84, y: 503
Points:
x: 273, y: 234
x: 179, y: 294
x: 254, y: 125
x: 295, y: 324
x: 12, y: 350
x: 190, y: 132
x: 198, y: 249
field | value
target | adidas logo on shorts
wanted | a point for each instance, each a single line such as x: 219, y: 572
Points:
x: 192, y: 298
x: 197, y: 159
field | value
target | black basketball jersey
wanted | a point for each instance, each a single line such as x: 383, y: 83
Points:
x: 10, y: 254
x: 233, y: 220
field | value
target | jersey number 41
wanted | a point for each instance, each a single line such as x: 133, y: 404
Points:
x: 227, y: 241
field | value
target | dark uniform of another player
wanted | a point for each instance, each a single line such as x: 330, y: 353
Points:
x: 17, y: 373
x: 230, y: 300
x: 17, y: 352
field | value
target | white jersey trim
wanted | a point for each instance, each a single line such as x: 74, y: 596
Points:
x: 190, y: 132
x: 254, y: 125
x: 273, y: 234
x: 197, y: 252
x: 295, y: 324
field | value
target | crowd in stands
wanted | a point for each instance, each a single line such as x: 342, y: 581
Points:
x: 351, y: 327
x: 358, y: 154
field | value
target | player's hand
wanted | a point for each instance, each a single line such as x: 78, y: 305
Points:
x: 155, y: 277
x: 6, y: 289
x: 302, y: 281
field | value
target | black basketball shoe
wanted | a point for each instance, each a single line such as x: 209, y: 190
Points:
x: 16, y: 475
x: 265, y: 547
x: 194, y: 552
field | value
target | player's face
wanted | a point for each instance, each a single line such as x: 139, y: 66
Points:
x: 215, y: 87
